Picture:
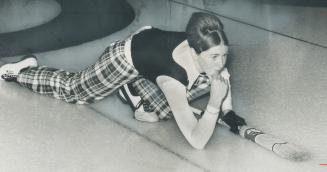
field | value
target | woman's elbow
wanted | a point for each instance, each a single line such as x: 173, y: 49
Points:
x: 198, y: 147
x: 198, y: 144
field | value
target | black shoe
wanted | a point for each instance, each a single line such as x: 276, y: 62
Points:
x: 137, y: 104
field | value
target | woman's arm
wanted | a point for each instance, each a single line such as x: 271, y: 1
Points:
x: 196, y: 132
x: 226, y: 105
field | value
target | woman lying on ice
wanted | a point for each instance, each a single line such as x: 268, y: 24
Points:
x: 167, y: 69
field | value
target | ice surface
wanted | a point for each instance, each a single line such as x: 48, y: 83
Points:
x: 278, y: 85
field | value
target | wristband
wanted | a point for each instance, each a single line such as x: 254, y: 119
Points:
x: 212, y: 110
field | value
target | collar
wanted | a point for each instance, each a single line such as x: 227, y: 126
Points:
x: 183, y: 57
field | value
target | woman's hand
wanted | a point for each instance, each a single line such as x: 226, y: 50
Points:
x: 219, y: 89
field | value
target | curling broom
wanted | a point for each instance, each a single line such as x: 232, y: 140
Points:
x: 268, y: 141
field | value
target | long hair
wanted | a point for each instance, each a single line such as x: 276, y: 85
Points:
x: 205, y: 31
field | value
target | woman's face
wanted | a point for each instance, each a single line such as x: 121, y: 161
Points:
x: 214, y: 59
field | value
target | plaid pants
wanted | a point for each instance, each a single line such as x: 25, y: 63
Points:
x: 154, y: 99
x: 94, y: 83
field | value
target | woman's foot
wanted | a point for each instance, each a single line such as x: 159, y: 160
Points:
x: 9, y: 72
x: 137, y: 105
x: 143, y: 116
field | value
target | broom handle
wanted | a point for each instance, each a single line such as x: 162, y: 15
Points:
x: 257, y: 136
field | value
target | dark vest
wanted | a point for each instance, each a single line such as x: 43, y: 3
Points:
x: 151, y: 52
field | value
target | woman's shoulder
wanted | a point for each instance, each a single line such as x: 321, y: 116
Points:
x: 159, y: 31
x: 143, y: 28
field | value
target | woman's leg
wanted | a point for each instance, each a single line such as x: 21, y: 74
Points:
x: 94, y: 83
x: 157, y: 101
x: 48, y: 81
x: 153, y: 98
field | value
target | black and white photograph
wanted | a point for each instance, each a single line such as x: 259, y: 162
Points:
x: 163, y: 85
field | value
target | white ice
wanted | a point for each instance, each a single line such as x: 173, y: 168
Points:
x: 278, y: 85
